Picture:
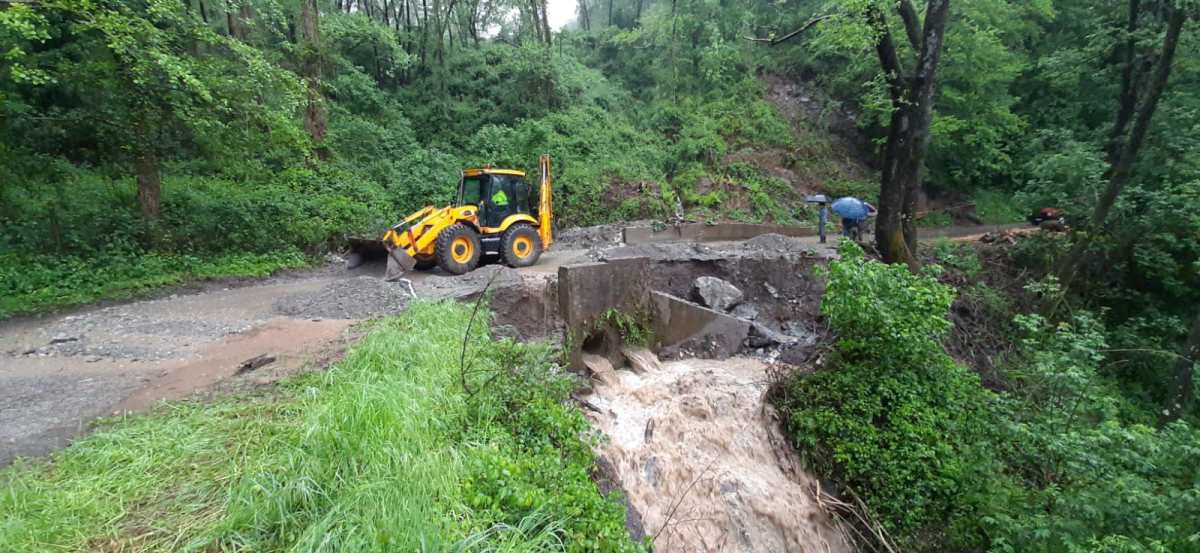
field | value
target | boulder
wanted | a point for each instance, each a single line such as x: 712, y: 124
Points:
x: 715, y: 293
x: 761, y: 336
x: 745, y: 311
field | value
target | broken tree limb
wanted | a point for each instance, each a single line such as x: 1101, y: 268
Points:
x: 255, y: 362
x: 811, y: 23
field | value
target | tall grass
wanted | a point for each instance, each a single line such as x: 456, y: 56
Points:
x: 384, y: 452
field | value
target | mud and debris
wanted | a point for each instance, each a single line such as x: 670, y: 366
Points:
x: 702, y: 462
x: 57, y: 373
x: 353, y: 298
x: 584, y: 238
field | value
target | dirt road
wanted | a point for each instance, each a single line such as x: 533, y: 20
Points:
x: 59, y: 372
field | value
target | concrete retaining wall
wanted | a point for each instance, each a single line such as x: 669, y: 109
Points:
x: 699, y: 232
x: 682, y: 327
x: 587, y: 291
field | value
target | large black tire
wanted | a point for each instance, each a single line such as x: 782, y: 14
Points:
x: 521, y: 245
x: 425, y: 264
x: 458, y: 249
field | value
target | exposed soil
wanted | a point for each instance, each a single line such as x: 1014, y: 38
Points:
x: 701, y: 459
x: 59, y: 372
x: 826, y: 133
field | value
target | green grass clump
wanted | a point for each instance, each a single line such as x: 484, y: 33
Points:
x: 393, y: 449
x: 996, y: 207
x: 34, y: 283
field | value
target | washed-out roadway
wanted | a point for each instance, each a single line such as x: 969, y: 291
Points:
x: 59, y: 372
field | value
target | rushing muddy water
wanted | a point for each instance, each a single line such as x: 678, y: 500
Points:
x: 704, y: 463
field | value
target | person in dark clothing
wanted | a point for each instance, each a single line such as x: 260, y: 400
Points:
x: 853, y: 212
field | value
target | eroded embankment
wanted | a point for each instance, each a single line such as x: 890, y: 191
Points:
x: 701, y: 458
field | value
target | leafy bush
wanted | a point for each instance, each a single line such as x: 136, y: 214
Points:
x: 892, y: 417
x: 996, y: 207
x: 1088, y: 480
x: 961, y: 257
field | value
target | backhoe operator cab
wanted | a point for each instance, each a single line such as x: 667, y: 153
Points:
x: 496, y: 212
x: 498, y: 193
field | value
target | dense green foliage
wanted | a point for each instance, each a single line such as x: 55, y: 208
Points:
x: 384, y: 452
x: 895, y: 419
x: 99, y: 96
x: 1059, y: 461
x: 1028, y: 96
x: 650, y: 109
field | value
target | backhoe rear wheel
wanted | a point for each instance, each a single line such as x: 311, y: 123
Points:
x: 458, y: 249
x: 521, y: 245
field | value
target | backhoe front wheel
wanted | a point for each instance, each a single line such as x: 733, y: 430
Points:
x: 458, y: 249
x: 521, y: 245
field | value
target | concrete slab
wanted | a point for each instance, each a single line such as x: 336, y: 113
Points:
x: 682, y: 327
x: 587, y: 290
x: 699, y: 232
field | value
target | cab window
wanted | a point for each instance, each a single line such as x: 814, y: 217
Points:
x: 471, y: 188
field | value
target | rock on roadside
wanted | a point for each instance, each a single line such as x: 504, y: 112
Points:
x: 716, y: 294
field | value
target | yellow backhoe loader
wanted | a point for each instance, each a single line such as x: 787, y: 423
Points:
x: 495, y: 213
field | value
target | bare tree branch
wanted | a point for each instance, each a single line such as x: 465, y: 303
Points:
x: 885, y: 48
x: 911, y: 25
x: 811, y: 23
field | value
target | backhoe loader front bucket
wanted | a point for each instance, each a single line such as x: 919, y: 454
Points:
x: 363, y: 250
x: 398, y: 263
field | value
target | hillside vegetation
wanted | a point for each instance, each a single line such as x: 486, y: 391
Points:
x: 1039, y: 398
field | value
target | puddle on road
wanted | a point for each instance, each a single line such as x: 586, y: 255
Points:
x: 705, y: 464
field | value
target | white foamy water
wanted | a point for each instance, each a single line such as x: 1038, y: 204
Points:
x: 704, y: 462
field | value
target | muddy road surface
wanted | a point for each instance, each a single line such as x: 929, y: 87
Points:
x: 59, y: 372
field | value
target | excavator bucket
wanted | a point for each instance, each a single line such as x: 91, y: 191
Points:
x: 398, y: 263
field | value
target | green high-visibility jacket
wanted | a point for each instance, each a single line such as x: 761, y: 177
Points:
x: 500, y: 198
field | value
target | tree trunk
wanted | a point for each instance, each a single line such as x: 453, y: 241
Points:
x: 424, y: 21
x: 585, y: 20
x: 314, y: 113
x: 610, y: 20
x: 1182, y: 393
x: 1127, y: 99
x: 637, y: 20
x: 1122, y: 169
x: 545, y: 22
x: 149, y: 181
x: 889, y: 231
x: 203, y: 11
x: 230, y: 19
x: 473, y: 23
x: 908, y: 132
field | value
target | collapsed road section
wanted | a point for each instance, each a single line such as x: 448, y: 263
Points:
x: 690, y: 439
